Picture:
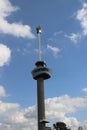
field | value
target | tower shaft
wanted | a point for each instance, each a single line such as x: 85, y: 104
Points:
x: 40, y: 102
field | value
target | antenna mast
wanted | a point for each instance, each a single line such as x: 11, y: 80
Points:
x: 39, y: 49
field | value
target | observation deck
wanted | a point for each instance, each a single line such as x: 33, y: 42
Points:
x: 41, y: 71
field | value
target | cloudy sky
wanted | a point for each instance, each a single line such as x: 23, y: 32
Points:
x: 63, y: 47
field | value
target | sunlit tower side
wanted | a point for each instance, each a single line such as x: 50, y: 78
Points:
x: 40, y: 73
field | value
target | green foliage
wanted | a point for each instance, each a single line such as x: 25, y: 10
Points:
x: 60, y: 126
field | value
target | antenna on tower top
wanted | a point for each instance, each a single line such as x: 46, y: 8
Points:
x: 39, y: 49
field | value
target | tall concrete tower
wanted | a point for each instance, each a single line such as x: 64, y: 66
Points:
x: 40, y: 73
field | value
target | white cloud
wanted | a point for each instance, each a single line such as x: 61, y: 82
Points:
x: 12, y: 116
x: 3, y: 92
x: 57, y: 33
x: 84, y: 89
x: 15, y: 29
x: 5, y: 55
x: 55, y: 50
x: 7, y: 114
x: 74, y: 37
x: 57, y: 109
x: 58, y: 106
x: 6, y: 109
x: 6, y: 8
x: 81, y: 15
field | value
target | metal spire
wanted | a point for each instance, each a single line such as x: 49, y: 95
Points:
x: 39, y: 49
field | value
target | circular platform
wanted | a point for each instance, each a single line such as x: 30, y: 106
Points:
x: 41, y: 71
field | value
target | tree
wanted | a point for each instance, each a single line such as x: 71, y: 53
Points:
x: 60, y: 126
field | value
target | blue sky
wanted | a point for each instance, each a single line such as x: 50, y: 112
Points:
x: 63, y: 47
